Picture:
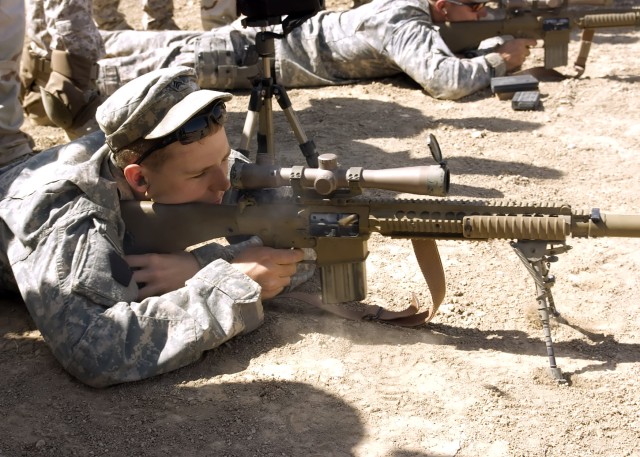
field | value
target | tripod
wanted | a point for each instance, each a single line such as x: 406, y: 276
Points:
x: 260, y: 112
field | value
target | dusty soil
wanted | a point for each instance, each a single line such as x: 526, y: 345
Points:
x: 474, y: 382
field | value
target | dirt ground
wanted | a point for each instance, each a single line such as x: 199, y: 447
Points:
x: 475, y: 381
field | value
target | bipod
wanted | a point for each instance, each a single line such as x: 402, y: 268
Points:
x: 537, y: 256
x: 260, y: 112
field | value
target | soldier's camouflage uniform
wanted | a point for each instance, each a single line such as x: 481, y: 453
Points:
x: 59, y: 67
x: 61, y: 241
x: 63, y: 25
x: 378, y: 39
x: 13, y: 142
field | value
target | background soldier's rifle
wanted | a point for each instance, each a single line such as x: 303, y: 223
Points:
x: 327, y: 212
x: 549, y: 20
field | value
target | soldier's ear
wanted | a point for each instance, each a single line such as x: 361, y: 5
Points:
x: 439, y: 5
x: 134, y: 174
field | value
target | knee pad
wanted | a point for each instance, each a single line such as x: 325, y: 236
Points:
x: 70, y: 97
x: 34, y: 73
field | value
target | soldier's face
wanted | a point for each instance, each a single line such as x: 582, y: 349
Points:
x: 194, y: 172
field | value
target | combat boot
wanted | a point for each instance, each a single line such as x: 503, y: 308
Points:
x: 70, y: 97
x: 34, y: 73
x: 158, y: 15
x: 107, y: 17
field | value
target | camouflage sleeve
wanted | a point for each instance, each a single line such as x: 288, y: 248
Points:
x: 411, y: 40
x: 80, y: 293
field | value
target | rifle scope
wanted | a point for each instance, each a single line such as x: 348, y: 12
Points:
x: 328, y: 178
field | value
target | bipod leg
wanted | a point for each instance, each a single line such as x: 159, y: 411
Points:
x: 307, y: 147
x: 536, y: 256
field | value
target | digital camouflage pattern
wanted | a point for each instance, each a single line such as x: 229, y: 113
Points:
x: 63, y: 25
x: 61, y: 237
x: 157, y: 103
x: 13, y: 142
x: 378, y: 39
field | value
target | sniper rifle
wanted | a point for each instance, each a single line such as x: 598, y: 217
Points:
x: 326, y: 211
x: 549, y: 20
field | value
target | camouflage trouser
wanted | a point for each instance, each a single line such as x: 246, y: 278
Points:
x: 220, y: 61
x: 63, y: 25
x: 61, y: 90
x: 13, y: 142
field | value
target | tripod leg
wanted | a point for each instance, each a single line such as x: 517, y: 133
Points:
x: 261, y: 111
x: 307, y: 146
x: 251, y: 121
x: 266, y: 143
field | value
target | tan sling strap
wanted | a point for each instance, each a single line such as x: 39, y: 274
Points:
x: 428, y: 257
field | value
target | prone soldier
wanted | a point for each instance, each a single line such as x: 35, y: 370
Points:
x: 110, y: 317
x: 378, y: 39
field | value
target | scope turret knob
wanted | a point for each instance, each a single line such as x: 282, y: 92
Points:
x: 328, y: 161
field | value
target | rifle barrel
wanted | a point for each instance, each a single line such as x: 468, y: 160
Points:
x: 608, y: 225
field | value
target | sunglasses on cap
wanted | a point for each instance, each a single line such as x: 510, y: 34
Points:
x: 195, y: 129
x: 473, y: 6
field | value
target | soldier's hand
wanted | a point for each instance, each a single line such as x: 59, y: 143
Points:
x: 514, y: 52
x: 157, y: 274
x: 269, y: 267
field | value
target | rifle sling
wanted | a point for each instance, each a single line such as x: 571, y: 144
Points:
x: 426, y: 251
